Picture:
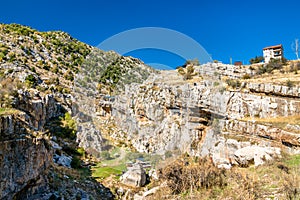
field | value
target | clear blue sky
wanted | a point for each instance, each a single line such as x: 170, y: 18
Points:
x: 225, y: 28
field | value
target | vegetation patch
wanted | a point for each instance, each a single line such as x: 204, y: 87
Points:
x: 234, y: 83
x: 8, y: 111
x: 293, y: 161
x: 194, y: 178
x: 102, y: 172
x: 63, y: 127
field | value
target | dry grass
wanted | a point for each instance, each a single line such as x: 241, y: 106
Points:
x: 277, y: 76
x: 190, y: 179
x: 188, y: 175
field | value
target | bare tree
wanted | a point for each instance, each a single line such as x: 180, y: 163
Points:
x: 295, y: 48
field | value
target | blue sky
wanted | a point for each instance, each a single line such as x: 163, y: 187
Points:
x: 231, y: 28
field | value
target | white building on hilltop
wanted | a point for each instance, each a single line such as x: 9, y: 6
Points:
x: 275, y: 52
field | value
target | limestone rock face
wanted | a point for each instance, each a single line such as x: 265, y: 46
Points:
x: 39, y: 108
x: 22, y: 160
x: 135, y: 176
x: 25, y: 156
x: 158, y: 117
x: 219, y: 69
x: 266, y: 131
x: 255, y: 155
x: 251, y: 105
x: 89, y: 137
x: 166, y: 113
x: 11, y: 127
x: 278, y: 90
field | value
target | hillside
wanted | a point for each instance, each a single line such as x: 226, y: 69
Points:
x: 39, y: 77
x: 77, y: 122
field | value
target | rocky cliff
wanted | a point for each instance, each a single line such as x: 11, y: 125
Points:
x: 48, y: 78
x: 200, y: 117
x: 25, y: 158
x: 37, y: 70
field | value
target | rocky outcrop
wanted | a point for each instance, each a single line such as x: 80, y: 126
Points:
x: 24, y: 160
x: 242, y: 105
x: 273, y: 89
x: 12, y: 126
x: 135, y: 176
x: 89, y: 137
x: 84, y: 112
x: 63, y: 160
x: 157, y: 117
x: 166, y: 114
x: 39, y: 108
x: 255, y: 155
x: 218, y: 70
x: 25, y: 154
x: 265, y: 131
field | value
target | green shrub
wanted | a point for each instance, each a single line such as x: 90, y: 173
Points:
x: 294, y: 67
x: 187, y: 76
x: 12, y: 57
x: 222, y: 89
x: 132, y: 156
x: 30, y: 80
x: 216, y: 84
x: 289, y: 83
x: 274, y: 64
x: 193, y: 62
x: 233, y: 83
x: 190, y: 69
x: 76, y: 162
x: 55, y: 69
x: 2, y: 56
x: 111, y: 74
x: 46, y: 67
x: 181, y: 176
x: 66, y: 127
x: 33, y: 69
x: 256, y: 59
x: 181, y: 71
x: 246, y: 76
x: 81, y: 151
x: 69, y: 76
x: 59, y: 89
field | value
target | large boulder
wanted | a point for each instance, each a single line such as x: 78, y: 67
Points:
x: 255, y: 155
x: 135, y: 176
x: 62, y: 160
